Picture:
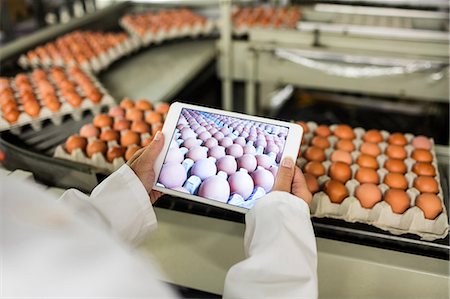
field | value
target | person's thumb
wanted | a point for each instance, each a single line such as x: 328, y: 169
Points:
x: 152, y: 151
x: 285, y: 175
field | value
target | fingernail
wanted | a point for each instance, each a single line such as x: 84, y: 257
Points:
x: 158, y: 136
x: 287, y: 162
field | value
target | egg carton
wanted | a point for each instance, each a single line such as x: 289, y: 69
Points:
x: 95, y: 64
x: 381, y: 215
x: 57, y: 117
x: 98, y: 160
x: 173, y: 33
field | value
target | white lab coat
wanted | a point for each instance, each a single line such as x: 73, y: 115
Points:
x: 65, y: 248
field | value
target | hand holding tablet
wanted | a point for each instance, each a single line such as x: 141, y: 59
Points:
x: 222, y: 158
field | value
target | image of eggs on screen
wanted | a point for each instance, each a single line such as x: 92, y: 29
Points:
x: 223, y: 158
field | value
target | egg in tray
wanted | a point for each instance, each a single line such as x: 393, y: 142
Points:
x: 387, y: 180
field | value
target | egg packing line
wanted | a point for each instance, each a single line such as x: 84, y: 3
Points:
x: 222, y: 158
x: 245, y: 18
x: 166, y: 24
x: 400, y: 200
x: 91, y: 50
x: 113, y: 138
x: 49, y: 94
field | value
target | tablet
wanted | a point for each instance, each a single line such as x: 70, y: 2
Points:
x: 222, y: 158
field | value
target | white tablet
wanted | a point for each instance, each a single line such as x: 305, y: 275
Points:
x: 222, y: 158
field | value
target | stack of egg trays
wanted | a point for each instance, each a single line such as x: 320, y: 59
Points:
x: 97, y: 160
x: 381, y: 215
x: 65, y: 109
x: 96, y: 64
x: 174, y: 33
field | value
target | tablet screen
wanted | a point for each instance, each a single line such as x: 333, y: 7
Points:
x: 218, y: 157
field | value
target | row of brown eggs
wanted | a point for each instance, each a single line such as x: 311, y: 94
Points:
x: 129, y: 126
x: 45, y: 88
x: 76, y: 47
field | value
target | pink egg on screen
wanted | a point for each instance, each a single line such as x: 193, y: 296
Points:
x: 204, y: 135
x: 226, y: 141
x: 247, y: 162
x: 216, y: 152
x: 197, y: 153
x: 191, y: 142
x: 235, y: 150
x: 227, y: 164
x: 204, y: 168
x: 215, y: 187
x: 240, y: 140
x: 211, y: 142
x: 172, y: 175
x: 265, y: 161
x: 174, y: 155
x: 263, y: 178
x: 241, y: 183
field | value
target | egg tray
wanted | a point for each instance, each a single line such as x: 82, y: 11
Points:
x: 381, y: 215
x: 65, y: 109
x: 97, y: 160
x: 95, y: 64
x: 174, y: 33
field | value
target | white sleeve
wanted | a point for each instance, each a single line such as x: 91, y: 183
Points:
x: 121, y: 201
x: 281, y: 252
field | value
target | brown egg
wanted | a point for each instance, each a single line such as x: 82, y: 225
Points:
x: 96, y: 146
x: 367, y: 161
x: 340, y: 171
x: 74, y: 142
x: 426, y: 184
x: 422, y: 168
x: 314, y: 153
x: 373, y: 136
x: 430, y: 204
x: 109, y: 135
x: 341, y: 156
x: 368, y: 195
x: 396, y: 152
x: 114, y: 152
x: 323, y: 131
x: 314, y: 168
x: 344, y: 132
x: 140, y: 126
x: 129, y: 137
x: 398, y: 200
x: 336, y: 191
x: 143, y: 105
x: 162, y: 107
x: 370, y: 149
x: 121, y: 124
x: 422, y: 142
x: 11, y: 116
x: 345, y: 145
x: 102, y: 121
x: 394, y: 165
x: 367, y: 175
x: 134, y: 114
x: 153, y: 117
x: 130, y: 151
x: 320, y: 142
x: 311, y: 182
x: 32, y: 108
x: 396, y: 181
x: 127, y: 103
x: 422, y: 155
x: 397, y: 139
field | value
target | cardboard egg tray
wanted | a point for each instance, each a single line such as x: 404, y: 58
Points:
x: 95, y: 64
x: 381, y: 215
x: 97, y: 160
x: 56, y: 117
x: 160, y: 35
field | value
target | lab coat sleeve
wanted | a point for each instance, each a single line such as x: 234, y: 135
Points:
x: 121, y: 202
x: 280, y: 249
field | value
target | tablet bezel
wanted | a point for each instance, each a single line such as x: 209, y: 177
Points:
x: 291, y: 147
